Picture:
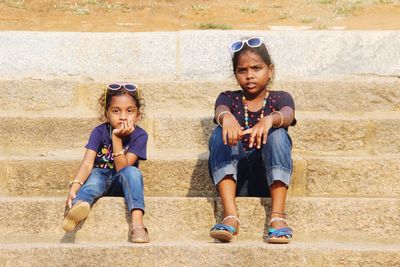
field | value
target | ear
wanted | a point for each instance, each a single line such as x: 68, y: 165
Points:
x: 138, y: 116
x: 271, y: 70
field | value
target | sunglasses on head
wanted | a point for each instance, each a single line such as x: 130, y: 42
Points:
x: 116, y: 86
x: 127, y: 86
x: 251, y: 42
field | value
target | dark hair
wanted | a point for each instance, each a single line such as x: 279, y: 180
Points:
x: 105, y: 104
x: 262, y: 51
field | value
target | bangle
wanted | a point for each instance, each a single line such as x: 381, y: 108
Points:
x: 219, y: 115
x: 119, y: 153
x: 280, y: 124
x: 75, y: 182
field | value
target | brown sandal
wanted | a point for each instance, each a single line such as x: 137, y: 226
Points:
x: 75, y: 215
x: 139, y: 234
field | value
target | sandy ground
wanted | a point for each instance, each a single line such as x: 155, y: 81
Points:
x: 173, y: 15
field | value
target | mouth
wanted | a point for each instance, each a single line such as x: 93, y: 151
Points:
x: 251, y: 85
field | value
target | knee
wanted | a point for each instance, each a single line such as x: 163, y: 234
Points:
x: 278, y: 139
x: 132, y: 173
x: 96, y: 177
x: 216, y: 138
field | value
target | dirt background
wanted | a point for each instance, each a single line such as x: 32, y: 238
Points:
x: 173, y: 15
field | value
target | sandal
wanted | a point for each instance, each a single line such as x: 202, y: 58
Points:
x: 139, y: 234
x: 75, y: 215
x: 275, y: 235
x: 223, y: 232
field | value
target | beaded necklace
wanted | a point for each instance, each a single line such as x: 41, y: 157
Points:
x: 246, y: 113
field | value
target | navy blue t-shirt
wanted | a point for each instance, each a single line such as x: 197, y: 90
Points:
x: 233, y: 100
x: 100, y: 141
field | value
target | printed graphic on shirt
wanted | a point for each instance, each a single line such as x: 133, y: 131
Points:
x: 104, y: 157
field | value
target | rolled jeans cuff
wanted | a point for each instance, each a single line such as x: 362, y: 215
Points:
x: 278, y: 173
x: 224, y: 169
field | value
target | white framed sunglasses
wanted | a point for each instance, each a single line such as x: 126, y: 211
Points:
x: 251, y: 42
x: 127, y: 86
x: 131, y: 87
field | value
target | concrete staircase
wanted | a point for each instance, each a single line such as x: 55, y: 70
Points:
x: 343, y: 203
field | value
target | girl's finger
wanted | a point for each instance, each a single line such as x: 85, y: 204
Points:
x: 234, y: 138
x: 239, y: 134
x: 253, y: 137
x: 265, y: 136
x: 69, y: 201
x: 132, y: 127
x: 259, y: 137
x: 230, y: 137
x: 248, y: 131
x: 224, y: 134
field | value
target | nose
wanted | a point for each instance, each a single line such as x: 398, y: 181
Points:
x: 123, y: 116
x: 250, y: 74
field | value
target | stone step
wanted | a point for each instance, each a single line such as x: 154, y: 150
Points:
x: 38, y: 219
x: 193, y: 55
x: 375, y: 132
x: 255, y: 253
x: 177, y: 173
x: 26, y: 95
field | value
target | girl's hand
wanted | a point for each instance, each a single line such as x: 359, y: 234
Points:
x: 231, y: 130
x: 125, y: 129
x: 259, y: 132
x: 72, y: 193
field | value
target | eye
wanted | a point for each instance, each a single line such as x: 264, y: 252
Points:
x: 130, y: 110
x: 241, y: 70
x: 115, y: 111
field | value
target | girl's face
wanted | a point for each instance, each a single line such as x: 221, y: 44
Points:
x: 252, y: 73
x: 122, y: 108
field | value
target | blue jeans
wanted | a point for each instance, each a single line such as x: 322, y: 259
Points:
x: 254, y: 170
x: 128, y: 183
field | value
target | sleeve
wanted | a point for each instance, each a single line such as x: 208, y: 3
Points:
x: 138, y: 145
x: 94, y: 140
x: 224, y: 99
x: 285, y: 100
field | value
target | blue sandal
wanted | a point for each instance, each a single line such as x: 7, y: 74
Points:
x: 223, y: 232
x: 275, y: 235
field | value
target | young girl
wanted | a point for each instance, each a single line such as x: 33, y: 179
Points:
x: 110, y: 164
x: 251, y: 150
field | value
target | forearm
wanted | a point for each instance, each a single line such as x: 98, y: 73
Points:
x: 81, y: 176
x: 83, y: 172
x: 220, y: 112
x: 120, y: 159
x: 282, y: 118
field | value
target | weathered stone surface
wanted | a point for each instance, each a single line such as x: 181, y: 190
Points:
x: 94, y: 55
x: 39, y: 135
x: 172, y: 218
x: 353, y: 176
x: 313, y: 176
x: 168, y: 55
x: 200, y: 254
x: 295, y: 53
x: 349, y: 95
x: 313, y: 132
x: 346, y: 147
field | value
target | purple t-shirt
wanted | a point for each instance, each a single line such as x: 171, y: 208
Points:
x: 100, y: 141
x: 275, y: 102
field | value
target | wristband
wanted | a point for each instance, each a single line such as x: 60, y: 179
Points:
x: 75, y: 182
x: 219, y: 115
x: 119, y: 153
